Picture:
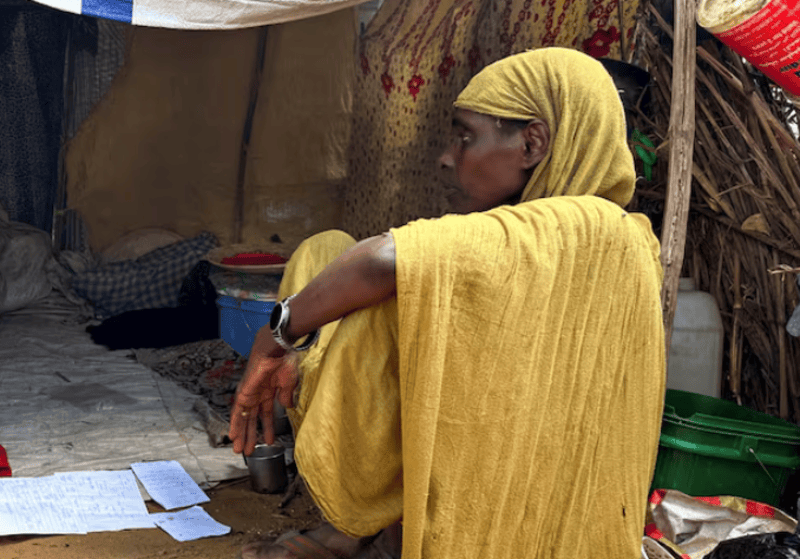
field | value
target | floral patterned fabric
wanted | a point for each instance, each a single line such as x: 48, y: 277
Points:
x: 415, y: 57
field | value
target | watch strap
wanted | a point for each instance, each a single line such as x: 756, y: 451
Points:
x: 279, y: 323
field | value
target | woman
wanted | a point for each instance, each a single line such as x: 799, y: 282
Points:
x: 494, y: 379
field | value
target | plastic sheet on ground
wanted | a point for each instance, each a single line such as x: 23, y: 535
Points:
x: 692, y: 527
x: 70, y: 405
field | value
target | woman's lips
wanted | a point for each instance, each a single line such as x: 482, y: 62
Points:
x: 456, y: 198
x: 452, y: 191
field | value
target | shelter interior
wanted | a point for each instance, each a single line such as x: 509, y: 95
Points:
x: 266, y: 135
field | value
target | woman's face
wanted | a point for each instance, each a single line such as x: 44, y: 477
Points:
x: 484, y: 166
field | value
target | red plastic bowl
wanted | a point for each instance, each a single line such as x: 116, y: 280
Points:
x: 253, y: 259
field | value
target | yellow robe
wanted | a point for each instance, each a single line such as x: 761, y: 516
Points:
x: 508, y: 402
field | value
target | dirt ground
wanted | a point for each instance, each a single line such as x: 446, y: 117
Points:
x: 251, y: 516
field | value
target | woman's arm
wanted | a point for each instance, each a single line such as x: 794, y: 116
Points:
x: 361, y: 277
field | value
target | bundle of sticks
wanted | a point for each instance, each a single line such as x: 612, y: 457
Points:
x: 743, y: 235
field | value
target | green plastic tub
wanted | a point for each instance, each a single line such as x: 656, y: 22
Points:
x: 712, y: 447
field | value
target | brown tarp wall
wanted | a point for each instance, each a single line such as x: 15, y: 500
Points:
x: 162, y: 148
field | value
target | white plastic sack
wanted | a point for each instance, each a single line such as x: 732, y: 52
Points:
x: 26, y: 259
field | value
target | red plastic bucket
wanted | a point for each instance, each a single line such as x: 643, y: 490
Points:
x: 5, y: 469
x: 765, y: 32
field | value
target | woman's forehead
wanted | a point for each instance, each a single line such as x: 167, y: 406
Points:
x: 464, y: 118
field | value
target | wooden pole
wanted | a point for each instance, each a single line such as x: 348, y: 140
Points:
x: 623, y: 51
x: 681, y: 138
x: 60, y: 206
x: 736, y: 345
x: 255, y: 86
x: 780, y: 317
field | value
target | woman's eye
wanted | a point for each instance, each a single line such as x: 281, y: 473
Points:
x: 460, y: 138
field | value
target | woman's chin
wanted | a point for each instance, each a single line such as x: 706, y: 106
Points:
x: 457, y: 203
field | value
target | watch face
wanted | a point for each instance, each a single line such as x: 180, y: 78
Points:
x: 275, y: 316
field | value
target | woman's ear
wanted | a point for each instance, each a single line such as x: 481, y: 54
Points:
x: 537, y: 142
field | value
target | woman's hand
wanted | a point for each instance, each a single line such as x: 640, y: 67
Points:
x: 361, y: 277
x: 269, y: 372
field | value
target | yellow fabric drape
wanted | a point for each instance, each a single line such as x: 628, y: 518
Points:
x: 507, y: 403
x: 531, y: 380
x: 530, y: 413
x: 588, y: 151
x: 347, y: 413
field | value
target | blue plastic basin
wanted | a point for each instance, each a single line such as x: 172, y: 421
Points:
x: 240, y: 319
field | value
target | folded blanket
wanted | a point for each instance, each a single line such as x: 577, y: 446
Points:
x: 151, y: 281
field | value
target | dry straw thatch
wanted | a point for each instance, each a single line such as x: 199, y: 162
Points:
x: 743, y: 236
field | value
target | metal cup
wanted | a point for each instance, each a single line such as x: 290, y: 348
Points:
x: 267, y: 468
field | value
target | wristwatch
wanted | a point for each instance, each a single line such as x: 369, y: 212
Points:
x: 279, y: 322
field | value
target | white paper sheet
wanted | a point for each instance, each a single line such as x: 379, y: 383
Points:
x: 168, y: 484
x: 72, y: 503
x: 189, y: 524
x: 35, y: 506
x: 108, y: 501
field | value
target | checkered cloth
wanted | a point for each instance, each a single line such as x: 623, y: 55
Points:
x: 149, y: 282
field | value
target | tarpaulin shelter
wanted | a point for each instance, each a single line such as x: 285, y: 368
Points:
x: 201, y: 14
x: 270, y: 134
x: 197, y: 116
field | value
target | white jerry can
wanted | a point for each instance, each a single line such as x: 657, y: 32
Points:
x: 695, y: 351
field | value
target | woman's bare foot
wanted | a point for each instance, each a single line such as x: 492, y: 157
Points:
x: 338, y: 544
x: 388, y: 544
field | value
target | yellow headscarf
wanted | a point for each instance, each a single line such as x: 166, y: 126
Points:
x: 576, y: 96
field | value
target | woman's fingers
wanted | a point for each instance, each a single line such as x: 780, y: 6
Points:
x: 244, y: 408
x: 238, y: 430
x: 264, y: 377
x: 285, y: 379
x: 267, y: 424
x: 257, y: 378
x: 251, y: 434
x: 244, y: 424
x: 254, y: 388
x: 286, y: 397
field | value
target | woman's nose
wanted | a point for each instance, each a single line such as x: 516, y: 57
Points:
x: 446, y: 160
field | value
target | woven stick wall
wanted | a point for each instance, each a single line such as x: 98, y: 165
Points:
x: 743, y: 237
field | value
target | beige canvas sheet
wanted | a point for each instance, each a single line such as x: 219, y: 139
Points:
x: 162, y: 148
